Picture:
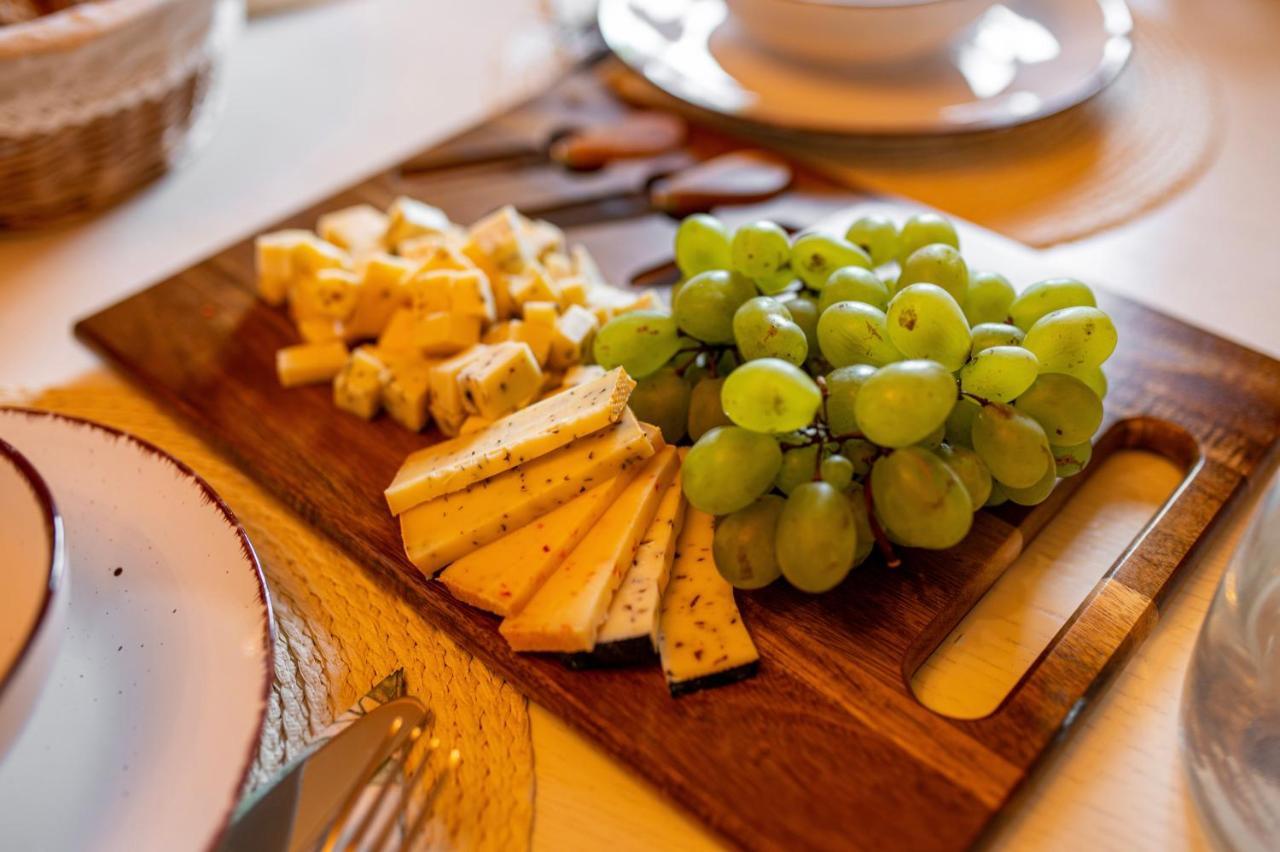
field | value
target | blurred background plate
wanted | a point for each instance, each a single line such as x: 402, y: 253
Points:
x: 1012, y: 63
x: 151, y: 716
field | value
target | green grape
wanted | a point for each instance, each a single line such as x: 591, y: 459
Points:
x: 798, y: 467
x: 921, y: 230
x: 702, y: 244
x: 770, y: 395
x: 904, y: 402
x: 815, y: 256
x: 855, y: 333
x: 837, y: 471
x: 1072, y: 340
x: 763, y: 328
x: 745, y: 544
x: 779, y: 282
x: 972, y: 470
x: 1071, y: 460
x: 1001, y: 373
x: 705, y: 411
x: 729, y: 468
x: 862, y: 453
x: 1045, y: 297
x: 639, y: 341
x: 705, y: 305
x: 1094, y: 378
x: 760, y: 249
x: 998, y: 497
x: 990, y: 295
x: 938, y: 264
x: 854, y: 284
x: 663, y: 400
x: 934, y: 439
x: 919, y: 500
x: 1012, y: 444
x: 990, y: 334
x: 862, y: 523
x: 843, y: 384
x: 1068, y: 411
x: 804, y: 313
x: 877, y: 236
x: 959, y: 425
x: 1033, y: 495
x: 675, y: 290
x: 925, y: 322
x: 816, y: 537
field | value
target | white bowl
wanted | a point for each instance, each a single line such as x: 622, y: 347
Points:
x: 854, y: 32
x: 33, y: 589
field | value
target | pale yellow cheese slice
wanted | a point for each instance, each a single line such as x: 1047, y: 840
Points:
x: 444, y: 529
x: 700, y: 631
x: 633, y: 613
x: 566, y: 613
x: 501, y: 576
x: 517, y: 438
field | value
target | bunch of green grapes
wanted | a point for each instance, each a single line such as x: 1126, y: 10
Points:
x: 848, y: 393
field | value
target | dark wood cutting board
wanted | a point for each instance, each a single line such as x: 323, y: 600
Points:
x: 827, y: 747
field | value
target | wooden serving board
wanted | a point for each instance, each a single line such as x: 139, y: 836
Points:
x: 826, y: 748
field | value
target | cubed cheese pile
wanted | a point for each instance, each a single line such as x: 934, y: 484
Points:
x: 408, y: 313
x: 567, y: 518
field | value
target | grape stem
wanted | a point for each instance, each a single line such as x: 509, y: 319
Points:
x: 705, y: 349
x: 981, y: 400
x: 886, y: 547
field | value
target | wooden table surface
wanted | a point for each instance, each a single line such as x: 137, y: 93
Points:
x: 296, y: 125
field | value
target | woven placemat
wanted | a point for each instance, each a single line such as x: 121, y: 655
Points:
x: 339, y: 633
x: 1131, y: 148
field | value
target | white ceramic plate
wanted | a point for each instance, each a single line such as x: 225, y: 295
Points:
x: 152, y: 712
x: 1021, y: 60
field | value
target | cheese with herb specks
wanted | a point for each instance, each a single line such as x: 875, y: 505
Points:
x: 518, y: 438
x: 501, y: 576
x: 505, y: 379
x: 449, y: 527
x: 701, y: 637
x: 566, y: 613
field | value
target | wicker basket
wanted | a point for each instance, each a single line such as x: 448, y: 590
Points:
x: 98, y: 99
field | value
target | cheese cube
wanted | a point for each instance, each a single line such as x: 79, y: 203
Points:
x: 358, y: 229
x: 585, y: 266
x: 407, y: 218
x: 532, y: 285
x: 398, y: 335
x: 538, y: 337
x: 320, y: 329
x: 358, y: 388
x: 274, y: 254
x: 427, y: 246
x: 505, y: 378
x: 559, y: 266
x: 382, y: 278
x: 500, y: 331
x: 445, y: 333
x: 308, y: 363
x: 328, y: 293
x: 314, y: 254
x: 464, y: 292
x: 500, y: 237
x: 542, y: 237
x: 566, y: 613
x: 445, y: 405
x: 573, y: 291
x: 406, y: 388
x: 574, y: 331
x: 427, y: 293
x: 474, y: 424
x: 444, y: 257
x: 541, y: 313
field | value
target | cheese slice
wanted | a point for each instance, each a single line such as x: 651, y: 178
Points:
x: 633, y: 613
x: 449, y: 527
x: 524, y: 435
x: 566, y: 613
x: 701, y: 637
x: 501, y: 576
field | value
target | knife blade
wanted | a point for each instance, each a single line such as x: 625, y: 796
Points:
x: 294, y: 811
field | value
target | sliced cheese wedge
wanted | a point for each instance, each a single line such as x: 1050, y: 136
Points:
x: 566, y: 613
x: 633, y: 613
x: 501, y: 576
x: 701, y: 637
x: 444, y: 529
x: 515, y: 439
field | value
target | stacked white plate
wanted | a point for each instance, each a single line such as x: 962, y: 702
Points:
x: 135, y: 643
